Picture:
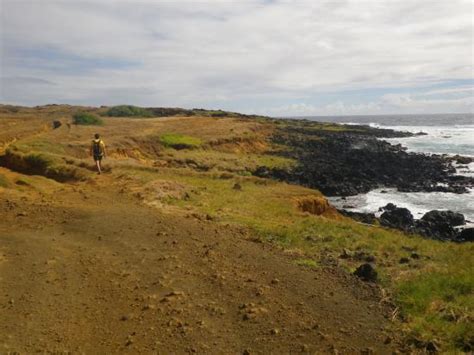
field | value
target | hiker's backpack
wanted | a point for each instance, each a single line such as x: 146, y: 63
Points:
x: 97, y: 147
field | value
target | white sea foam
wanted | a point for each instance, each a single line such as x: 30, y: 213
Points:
x: 465, y: 169
x: 417, y: 202
x: 445, y: 134
x: 457, y: 139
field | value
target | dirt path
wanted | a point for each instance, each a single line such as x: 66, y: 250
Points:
x: 91, y: 270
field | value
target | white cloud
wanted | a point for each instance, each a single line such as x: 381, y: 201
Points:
x: 455, y: 100
x: 334, y: 108
x: 231, y: 54
x: 409, y: 103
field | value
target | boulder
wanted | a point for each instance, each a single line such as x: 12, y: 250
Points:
x: 462, y: 160
x: 397, y: 217
x: 440, y: 231
x: 366, y: 272
x: 368, y: 218
x: 388, y: 207
x: 466, y: 235
x: 448, y: 217
x: 440, y: 224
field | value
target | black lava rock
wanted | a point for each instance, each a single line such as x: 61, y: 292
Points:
x: 388, y: 207
x: 366, y: 272
x: 440, y: 225
x: 400, y: 218
x: 449, y: 217
x: 368, y: 218
x: 466, y: 235
x: 351, y: 159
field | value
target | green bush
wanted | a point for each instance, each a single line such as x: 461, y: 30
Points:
x: 86, y: 118
x: 128, y: 111
x: 179, y: 141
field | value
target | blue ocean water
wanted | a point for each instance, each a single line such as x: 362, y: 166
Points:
x: 445, y: 134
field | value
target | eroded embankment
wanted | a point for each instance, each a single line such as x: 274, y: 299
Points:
x: 42, y: 164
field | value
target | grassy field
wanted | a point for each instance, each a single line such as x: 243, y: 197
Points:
x: 203, y: 165
x: 433, y: 289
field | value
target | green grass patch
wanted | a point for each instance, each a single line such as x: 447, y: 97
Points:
x: 239, y: 163
x: 4, y: 182
x: 179, y: 141
x: 128, y: 111
x: 40, y: 145
x: 23, y: 181
x: 440, y: 305
x: 307, y: 262
x: 87, y: 119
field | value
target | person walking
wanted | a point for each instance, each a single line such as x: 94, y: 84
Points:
x: 97, y: 151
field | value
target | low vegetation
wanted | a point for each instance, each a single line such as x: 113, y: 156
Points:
x: 3, y: 181
x: 235, y: 162
x: 179, y: 141
x: 87, y: 119
x: 128, y: 111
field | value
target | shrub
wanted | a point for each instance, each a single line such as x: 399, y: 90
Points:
x: 86, y: 118
x: 128, y: 111
x: 178, y: 141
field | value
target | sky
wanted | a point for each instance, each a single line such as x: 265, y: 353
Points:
x: 272, y: 57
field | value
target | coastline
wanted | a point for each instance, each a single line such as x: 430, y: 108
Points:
x: 353, y: 163
x: 346, y: 160
x: 211, y: 181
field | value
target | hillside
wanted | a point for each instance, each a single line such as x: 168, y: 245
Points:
x: 180, y: 247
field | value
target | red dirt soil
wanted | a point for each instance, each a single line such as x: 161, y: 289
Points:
x: 90, y: 269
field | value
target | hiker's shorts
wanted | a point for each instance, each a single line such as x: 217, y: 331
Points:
x: 97, y: 157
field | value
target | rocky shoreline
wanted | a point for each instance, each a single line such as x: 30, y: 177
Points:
x: 435, y: 224
x: 346, y: 160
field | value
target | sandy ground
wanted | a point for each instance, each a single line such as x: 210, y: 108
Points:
x: 90, y: 269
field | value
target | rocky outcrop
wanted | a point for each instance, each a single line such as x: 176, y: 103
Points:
x: 366, y: 272
x: 460, y: 159
x: 348, y: 160
x: 434, y: 224
x: 466, y: 235
x: 448, y: 217
x: 396, y: 217
x: 367, y: 218
x: 440, y: 224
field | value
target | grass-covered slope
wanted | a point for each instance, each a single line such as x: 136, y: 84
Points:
x: 203, y: 166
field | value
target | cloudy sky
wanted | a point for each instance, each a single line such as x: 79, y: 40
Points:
x: 270, y: 57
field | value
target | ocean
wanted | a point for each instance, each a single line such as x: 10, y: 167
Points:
x: 446, y: 134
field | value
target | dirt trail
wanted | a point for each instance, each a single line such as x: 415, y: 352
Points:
x: 92, y: 270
